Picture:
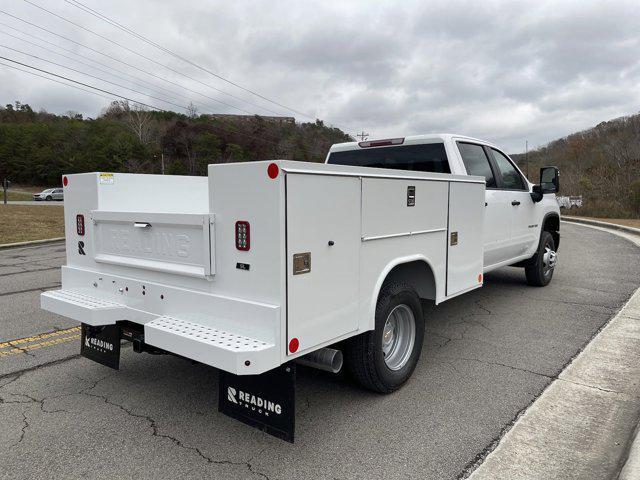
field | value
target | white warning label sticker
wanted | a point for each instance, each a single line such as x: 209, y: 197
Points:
x: 106, y: 178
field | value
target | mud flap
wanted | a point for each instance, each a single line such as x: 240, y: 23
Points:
x: 101, y: 344
x: 266, y: 401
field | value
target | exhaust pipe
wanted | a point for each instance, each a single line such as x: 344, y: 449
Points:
x: 327, y: 359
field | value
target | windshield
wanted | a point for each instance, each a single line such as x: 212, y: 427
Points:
x: 429, y: 157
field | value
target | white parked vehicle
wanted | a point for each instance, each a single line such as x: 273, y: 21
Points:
x: 264, y: 265
x: 569, y: 202
x: 49, y: 194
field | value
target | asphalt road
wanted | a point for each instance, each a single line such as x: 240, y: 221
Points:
x: 488, y: 355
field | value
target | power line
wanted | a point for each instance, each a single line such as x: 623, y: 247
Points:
x: 83, y: 84
x: 124, y: 63
x: 57, y: 81
x: 84, y: 63
x: 116, y: 24
x: 107, y: 39
x: 110, y: 67
x: 93, y: 76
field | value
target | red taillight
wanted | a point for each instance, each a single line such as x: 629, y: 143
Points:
x: 381, y: 143
x: 65, y: 181
x: 272, y: 170
x: 293, y: 345
x: 80, y: 224
x: 243, y: 236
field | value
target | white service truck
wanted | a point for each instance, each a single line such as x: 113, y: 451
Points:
x: 263, y: 265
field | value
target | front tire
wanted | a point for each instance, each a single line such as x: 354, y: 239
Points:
x: 383, y: 359
x: 540, y: 270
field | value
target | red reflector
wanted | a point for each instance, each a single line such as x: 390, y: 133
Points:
x: 272, y: 170
x: 480, y: 278
x: 243, y: 235
x: 293, y: 345
x: 80, y: 224
x: 65, y: 181
x: 381, y: 143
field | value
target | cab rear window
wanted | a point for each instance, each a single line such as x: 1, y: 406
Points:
x: 429, y: 157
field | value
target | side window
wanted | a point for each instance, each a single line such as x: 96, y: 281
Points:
x: 476, y: 162
x: 511, y: 178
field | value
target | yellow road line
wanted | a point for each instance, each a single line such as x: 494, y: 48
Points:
x: 42, y: 336
x: 35, y: 346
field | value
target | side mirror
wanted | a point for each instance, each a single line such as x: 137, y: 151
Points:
x: 549, y: 183
x: 549, y: 179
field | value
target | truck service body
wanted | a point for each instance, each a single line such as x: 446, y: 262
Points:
x: 263, y: 265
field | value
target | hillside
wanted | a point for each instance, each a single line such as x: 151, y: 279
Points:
x: 38, y: 147
x: 602, y: 164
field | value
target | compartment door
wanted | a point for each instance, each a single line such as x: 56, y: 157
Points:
x: 465, y: 242
x: 323, y: 242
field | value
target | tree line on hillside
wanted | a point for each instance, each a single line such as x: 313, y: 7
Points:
x: 37, y: 148
x: 602, y: 164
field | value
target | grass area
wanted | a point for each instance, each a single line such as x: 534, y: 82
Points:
x: 18, y: 187
x: 629, y: 222
x: 21, y: 223
x: 16, y: 196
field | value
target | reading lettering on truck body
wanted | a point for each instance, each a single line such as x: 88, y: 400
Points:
x: 283, y: 273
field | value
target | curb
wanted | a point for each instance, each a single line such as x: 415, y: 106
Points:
x: 614, y: 226
x: 591, y: 398
x: 32, y: 242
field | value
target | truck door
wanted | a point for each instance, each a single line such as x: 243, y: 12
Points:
x: 522, y: 208
x: 497, y: 214
x: 323, y: 241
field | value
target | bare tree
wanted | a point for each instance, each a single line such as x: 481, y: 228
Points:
x: 139, y: 120
x: 192, y: 111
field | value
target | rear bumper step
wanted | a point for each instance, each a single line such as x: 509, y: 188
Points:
x: 212, y: 346
x: 201, y: 341
x: 82, y: 307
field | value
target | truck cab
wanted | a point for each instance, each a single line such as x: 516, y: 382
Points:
x: 517, y: 211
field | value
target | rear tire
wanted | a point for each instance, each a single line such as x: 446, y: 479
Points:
x: 383, y: 359
x: 49, y: 198
x: 539, y: 271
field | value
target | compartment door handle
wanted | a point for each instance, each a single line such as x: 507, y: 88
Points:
x: 141, y: 224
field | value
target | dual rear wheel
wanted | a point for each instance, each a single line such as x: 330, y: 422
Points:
x: 384, y: 358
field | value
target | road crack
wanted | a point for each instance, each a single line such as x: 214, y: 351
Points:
x: 155, y: 432
x: 23, y: 430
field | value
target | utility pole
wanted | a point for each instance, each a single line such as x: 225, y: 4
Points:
x: 5, y: 187
x: 362, y: 136
x: 526, y: 155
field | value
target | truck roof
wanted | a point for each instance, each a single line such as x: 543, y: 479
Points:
x: 409, y: 140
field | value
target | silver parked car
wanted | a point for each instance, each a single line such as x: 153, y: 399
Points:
x: 49, y: 194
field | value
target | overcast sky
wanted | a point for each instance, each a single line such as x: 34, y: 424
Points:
x: 506, y: 72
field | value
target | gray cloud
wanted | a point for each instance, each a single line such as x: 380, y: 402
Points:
x: 504, y: 71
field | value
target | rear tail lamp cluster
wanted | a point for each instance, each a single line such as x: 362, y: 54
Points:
x: 243, y: 236
x: 80, y: 224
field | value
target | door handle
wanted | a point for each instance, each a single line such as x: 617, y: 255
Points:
x: 141, y: 225
x: 515, y: 203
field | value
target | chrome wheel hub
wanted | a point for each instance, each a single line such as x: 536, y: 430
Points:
x: 549, y: 259
x: 398, y: 337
